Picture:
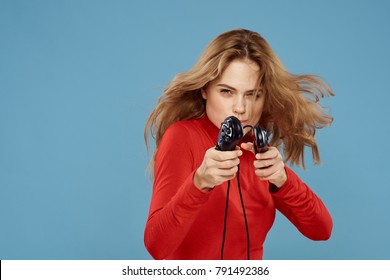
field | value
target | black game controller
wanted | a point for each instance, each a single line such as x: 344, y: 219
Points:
x: 261, y: 139
x: 231, y: 132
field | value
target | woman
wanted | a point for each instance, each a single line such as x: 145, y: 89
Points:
x: 211, y: 204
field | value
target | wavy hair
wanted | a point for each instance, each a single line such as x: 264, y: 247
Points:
x: 291, y: 111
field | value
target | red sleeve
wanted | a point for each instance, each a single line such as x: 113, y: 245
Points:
x: 176, y: 201
x: 303, y: 208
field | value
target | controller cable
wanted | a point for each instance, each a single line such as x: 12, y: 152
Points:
x: 226, y: 214
x: 243, y: 211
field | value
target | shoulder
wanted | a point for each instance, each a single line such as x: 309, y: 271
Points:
x: 178, y: 142
x: 180, y: 133
x: 183, y: 128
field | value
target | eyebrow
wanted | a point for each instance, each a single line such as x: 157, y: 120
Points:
x: 232, y: 88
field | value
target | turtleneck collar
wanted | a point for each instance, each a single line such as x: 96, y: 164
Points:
x: 210, y: 127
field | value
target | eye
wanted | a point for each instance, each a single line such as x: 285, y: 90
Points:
x: 259, y: 94
x: 226, y: 91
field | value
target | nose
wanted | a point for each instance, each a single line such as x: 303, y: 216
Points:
x: 239, y: 106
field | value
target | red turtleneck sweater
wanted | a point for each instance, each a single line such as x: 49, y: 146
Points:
x: 186, y: 223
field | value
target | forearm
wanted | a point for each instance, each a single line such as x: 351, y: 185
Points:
x: 168, y: 225
x: 303, y: 208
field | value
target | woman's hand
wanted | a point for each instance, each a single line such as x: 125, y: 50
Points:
x: 268, y: 165
x: 216, y: 168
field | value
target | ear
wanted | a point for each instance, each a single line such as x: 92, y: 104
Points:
x: 204, y: 94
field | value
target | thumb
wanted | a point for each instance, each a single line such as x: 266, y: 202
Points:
x: 248, y: 147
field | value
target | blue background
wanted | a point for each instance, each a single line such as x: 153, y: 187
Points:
x: 78, y: 80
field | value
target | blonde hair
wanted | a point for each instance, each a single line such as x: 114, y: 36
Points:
x: 291, y: 112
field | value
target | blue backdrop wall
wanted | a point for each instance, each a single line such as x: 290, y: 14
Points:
x: 79, y: 78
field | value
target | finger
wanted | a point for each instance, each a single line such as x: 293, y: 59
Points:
x: 263, y: 163
x: 222, y: 179
x: 269, y: 172
x: 273, y: 176
x: 225, y: 155
x: 224, y: 175
x: 227, y: 164
x: 212, y: 165
x: 248, y: 147
x: 278, y: 178
x: 215, y: 176
x: 272, y: 153
x: 227, y: 172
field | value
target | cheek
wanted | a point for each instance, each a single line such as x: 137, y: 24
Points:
x: 257, y: 110
x: 215, y: 110
x: 218, y: 104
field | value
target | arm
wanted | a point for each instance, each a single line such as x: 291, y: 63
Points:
x: 302, y: 207
x: 176, y: 201
x: 292, y: 197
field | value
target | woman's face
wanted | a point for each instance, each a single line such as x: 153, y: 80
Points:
x: 234, y: 94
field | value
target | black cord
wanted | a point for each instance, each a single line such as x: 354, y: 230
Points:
x: 225, y: 219
x: 245, y: 126
x: 226, y: 213
x: 243, y: 211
